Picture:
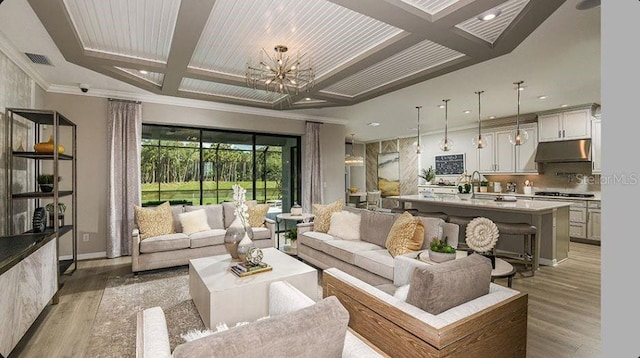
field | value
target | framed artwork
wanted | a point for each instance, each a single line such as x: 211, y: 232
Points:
x: 389, y: 173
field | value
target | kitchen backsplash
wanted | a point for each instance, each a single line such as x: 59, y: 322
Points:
x: 572, y: 177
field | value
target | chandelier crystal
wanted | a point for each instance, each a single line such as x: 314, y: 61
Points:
x: 352, y: 160
x: 519, y: 136
x: 445, y: 143
x: 478, y: 143
x: 280, y: 73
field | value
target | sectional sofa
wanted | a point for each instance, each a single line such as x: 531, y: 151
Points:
x: 178, y: 248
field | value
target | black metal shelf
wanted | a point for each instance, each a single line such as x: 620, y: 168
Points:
x: 41, y: 156
x: 39, y: 194
x: 41, y: 116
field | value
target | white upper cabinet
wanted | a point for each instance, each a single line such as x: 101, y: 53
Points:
x: 505, y: 153
x: 500, y: 156
x: 573, y: 124
x: 526, y: 153
x: 596, y: 146
x: 486, y: 155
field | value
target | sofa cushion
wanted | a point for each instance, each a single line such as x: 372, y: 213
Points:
x: 322, y: 219
x: 193, y: 221
x: 207, y: 238
x: 375, y: 226
x: 314, y: 331
x: 345, y: 250
x: 378, y: 261
x: 154, y: 221
x: 214, y: 214
x: 257, y: 214
x: 261, y: 233
x: 168, y: 242
x: 315, y: 240
x: 406, y: 235
x: 437, y: 288
x: 175, y: 211
x: 345, y: 225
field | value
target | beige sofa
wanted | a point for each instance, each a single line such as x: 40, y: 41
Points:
x: 178, y: 248
x: 367, y: 258
x: 297, y: 327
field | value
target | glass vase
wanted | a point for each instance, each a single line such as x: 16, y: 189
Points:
x: 243, y: 247
x: 234, y: 235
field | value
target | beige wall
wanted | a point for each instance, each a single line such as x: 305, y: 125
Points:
x: 90, y: 116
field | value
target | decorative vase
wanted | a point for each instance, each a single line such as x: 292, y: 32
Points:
x: 464, y: 196
x: 296, y: 210
x: 47, y: 147
x: 234, y: 235
x: 244, y: 246
x: 441, y: 256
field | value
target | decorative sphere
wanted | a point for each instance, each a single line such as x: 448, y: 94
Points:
x: 254, y: 255
x: 446, y: 144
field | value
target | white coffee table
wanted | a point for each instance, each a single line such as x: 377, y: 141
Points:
x: 221, y: 296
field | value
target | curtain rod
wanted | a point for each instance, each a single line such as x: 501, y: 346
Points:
x: 124, y: 100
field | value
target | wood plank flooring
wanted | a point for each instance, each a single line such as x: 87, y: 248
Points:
x: 563, y: 320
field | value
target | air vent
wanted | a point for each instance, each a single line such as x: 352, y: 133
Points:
x: 39, y: 59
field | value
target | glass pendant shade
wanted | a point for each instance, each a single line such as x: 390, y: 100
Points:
x: 446, y: 143
x: 477, y: 141
x: 519, y: 136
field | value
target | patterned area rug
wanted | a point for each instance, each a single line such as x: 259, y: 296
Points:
x: 114, y: 329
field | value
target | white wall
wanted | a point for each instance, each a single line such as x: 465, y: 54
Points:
x: 462, y: 144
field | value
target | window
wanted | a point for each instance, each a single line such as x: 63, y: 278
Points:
x: 199, y: 166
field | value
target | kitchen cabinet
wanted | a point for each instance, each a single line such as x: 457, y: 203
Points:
x: 565, y: 125
x: 596, y: 146
x: 594, y: 220
x: 500, y: 156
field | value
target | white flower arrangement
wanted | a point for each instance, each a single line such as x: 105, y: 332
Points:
x: 239, y: 197
x: 482, y: 234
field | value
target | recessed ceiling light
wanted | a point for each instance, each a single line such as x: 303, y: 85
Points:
x: 564, y: 105
x: 489, y: 15
x: 373, y: 124
x: 144, y: 72
x: 441, y: 106
x: 542, y: 97
x: 467, y: 111
x: 492, y: 117
x: 307, y: 99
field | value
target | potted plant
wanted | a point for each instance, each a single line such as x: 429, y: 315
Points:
x: 429, y: 175
x: 464, y: 191
x: 292, y: 236
x: 440, y: 251
x: 484, y: 185
x: 45, y: 181
x: 61, y: 208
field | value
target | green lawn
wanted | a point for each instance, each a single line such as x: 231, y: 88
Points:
x: 190, y: 191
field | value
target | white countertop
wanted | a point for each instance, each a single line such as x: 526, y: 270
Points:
x: 596, y: 196
x: 519, y: 205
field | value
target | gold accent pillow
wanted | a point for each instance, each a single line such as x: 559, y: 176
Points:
x: 257, y: 214
x: 322, y: 213
x: 154, y: 221
x: 406, y: 235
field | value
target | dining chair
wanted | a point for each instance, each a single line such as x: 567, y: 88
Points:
x: 373, y: 200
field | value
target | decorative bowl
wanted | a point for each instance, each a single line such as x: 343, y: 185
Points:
x: 353, y: 190
x: 464, y: 196
x: 441, y: 256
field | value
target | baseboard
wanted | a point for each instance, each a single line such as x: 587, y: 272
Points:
x: 89, y: 256
x: 548, y: 262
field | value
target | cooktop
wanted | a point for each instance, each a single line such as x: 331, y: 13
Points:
x: 566, y: 195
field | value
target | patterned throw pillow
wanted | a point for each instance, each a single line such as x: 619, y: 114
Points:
x: 257, y: 214
x: 322, y: 213
x: 154, y: 221
x: 406, y: 235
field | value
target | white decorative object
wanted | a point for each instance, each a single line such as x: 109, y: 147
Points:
x: 345, y: 225
x: 482, y: 234
x: 193, y: 221
x: 296, y: 210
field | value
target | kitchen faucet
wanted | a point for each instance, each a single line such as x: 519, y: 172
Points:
x: 473, y: 191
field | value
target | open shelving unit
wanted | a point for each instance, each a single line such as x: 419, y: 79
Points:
x: 35, y: 122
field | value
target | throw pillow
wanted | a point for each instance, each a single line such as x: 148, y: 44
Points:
x: 406, y: 235
x: 322, y: 213
x: 154, y: 221
x: 437, y: 288
x: 257, y: 214
x: 345, y: 225
x: 194, y: 221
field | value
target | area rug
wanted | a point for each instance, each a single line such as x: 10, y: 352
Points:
x: 114, y: 329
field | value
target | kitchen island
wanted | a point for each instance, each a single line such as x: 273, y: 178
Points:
x: 550, y: 218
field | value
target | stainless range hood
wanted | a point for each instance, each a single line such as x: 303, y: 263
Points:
x: 565, y: 151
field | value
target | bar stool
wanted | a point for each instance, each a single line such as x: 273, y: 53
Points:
x: 439, y: 215
x: 528, y: 232
x: 461, y: 221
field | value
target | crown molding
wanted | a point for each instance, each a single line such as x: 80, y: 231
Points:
x: 19, y: 58
x: 193, y: 103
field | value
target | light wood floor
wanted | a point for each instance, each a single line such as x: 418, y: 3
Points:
x: 563, y: 321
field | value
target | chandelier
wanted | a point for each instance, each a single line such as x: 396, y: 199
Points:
x: 352, y: 160
x: 280, y: 73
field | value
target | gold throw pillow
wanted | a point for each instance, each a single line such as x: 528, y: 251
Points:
x: 257, y: 214
x: 322, y: 213
x: 154, y: 221
x: 406, y: 235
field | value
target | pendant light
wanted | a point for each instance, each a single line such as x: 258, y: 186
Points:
x: 418, y: 150
x: 445, y: 143
x: 353, y: 160
x: 477, y: 141
x: 518, y: 136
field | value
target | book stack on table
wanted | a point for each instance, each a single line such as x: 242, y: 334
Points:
x: 245, y: 269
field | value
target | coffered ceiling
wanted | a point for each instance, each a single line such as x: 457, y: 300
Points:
x: 358, y: 49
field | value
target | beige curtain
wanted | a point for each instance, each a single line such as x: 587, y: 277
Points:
x: 312, y: 175
x: 125, y: 133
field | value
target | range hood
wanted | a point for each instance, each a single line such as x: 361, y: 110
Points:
x: 565, y: 151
